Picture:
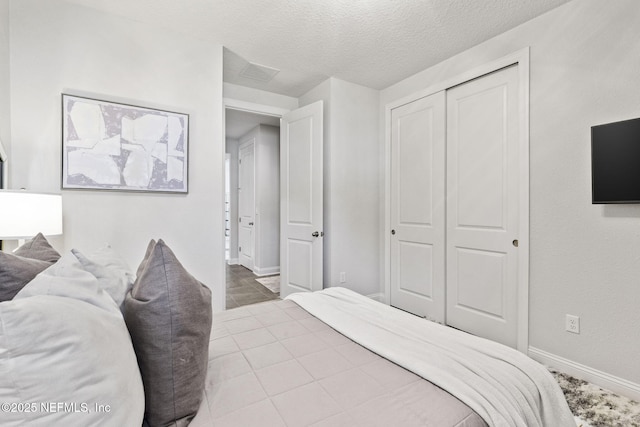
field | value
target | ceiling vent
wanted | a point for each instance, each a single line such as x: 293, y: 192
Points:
x: 259, y: 72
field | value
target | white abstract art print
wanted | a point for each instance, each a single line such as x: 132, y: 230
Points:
x: 112, y: 146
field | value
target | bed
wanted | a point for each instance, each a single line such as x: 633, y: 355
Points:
x: 276, y: 364
x: 117, y: 347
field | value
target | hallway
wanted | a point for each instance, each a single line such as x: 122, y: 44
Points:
x: 243, y: 289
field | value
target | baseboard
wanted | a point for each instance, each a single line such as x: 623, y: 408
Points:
x: 266, y: 271
x: 583, y: 372
x: 377, y: 297
x: 233, y: 261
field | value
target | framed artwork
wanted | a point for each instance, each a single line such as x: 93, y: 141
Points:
x: 3, y: 173
x: 112, y: 146
x: 3, y: 166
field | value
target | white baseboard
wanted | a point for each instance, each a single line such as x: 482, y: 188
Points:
x: 266, y: 271
x: 233, y: 261
x: 378, y: 297
x: 583, y: 372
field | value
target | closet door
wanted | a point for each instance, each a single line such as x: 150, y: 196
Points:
x: 482, y: 206
x: 246, y: 203
x: 417, y: 207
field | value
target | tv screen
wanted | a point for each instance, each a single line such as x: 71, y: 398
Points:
x: 615, y: 162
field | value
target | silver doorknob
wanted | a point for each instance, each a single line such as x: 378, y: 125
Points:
x: 393, y: 231
x: 515, y: 243
x: 316, y: 234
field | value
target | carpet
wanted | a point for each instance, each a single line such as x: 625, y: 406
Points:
x: 596, y: 407
x: 272, y: 283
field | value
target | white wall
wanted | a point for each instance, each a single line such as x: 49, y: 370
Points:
x: 584, y: 259
x: 58, y: 47
x: 354, y: 186
x: 351, y: 184
x: 266, y: 231
x: 267, y: 200
x: 5, y: 113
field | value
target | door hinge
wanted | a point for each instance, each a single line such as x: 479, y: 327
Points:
x: 239, y: 248
x: 240, y: 219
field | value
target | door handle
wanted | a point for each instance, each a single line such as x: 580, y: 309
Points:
x: 250, y: 223
x: 317, y: 233
x: 515, y: 242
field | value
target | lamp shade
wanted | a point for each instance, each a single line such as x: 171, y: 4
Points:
x: 24, y: 214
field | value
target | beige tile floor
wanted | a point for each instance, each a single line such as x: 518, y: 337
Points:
x: 243, y: 289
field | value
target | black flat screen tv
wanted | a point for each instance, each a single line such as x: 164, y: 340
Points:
x: 615, y: 162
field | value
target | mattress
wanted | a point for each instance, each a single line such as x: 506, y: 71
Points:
x: 274, y: 364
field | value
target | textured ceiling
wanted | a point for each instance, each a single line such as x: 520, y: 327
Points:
x: 374, y: 43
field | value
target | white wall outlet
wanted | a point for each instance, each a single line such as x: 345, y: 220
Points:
x: 343, y: 277
x: 572, y: 324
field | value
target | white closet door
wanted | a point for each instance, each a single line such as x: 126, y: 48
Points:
x: 417, y: 207
x: 482, y: 206
x: 246, y: 203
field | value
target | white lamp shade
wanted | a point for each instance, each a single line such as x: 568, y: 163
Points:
x: 24, y: 214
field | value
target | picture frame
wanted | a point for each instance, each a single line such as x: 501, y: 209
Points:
x: 3, y: 166
x: 3, y: 174
x: 109, y: 145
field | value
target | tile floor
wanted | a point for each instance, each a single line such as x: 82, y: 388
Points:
x: 243, y: 289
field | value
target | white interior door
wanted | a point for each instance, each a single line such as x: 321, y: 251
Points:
x: 246, y: 203
x: 301, y: 200
x: 482, y: 206
x: 418, y: 207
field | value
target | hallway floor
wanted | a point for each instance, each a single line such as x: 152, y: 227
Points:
x: 243, y: 289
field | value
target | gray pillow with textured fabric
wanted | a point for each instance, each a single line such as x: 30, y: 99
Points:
x: 16, y: 272
x: 168, y: 313
x: 38, y: 248
x: 147, y: 253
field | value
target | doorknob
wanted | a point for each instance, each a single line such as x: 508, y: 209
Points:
x: 515, y: 242
x: 250, y: 223
x: 393, y: 231
x: 317, y: 233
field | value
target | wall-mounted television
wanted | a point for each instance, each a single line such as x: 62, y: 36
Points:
x: 615, y: 162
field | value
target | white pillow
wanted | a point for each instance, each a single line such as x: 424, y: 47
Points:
x: 112, y: 272
x: 68, y: 278
x: 66, y: 356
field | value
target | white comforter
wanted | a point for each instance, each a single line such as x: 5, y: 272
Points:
x: 505, y: 387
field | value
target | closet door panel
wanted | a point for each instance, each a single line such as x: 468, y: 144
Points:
x: 417, y: 207
x: 482, y: 206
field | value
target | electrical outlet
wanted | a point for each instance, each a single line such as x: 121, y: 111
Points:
x: 572, y: 324
x: 343, y: 277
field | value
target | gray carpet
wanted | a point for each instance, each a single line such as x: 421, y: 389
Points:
x: 597, y: 407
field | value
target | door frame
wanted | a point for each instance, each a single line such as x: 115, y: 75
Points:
x: 521, y: 59
x: 250, y: 107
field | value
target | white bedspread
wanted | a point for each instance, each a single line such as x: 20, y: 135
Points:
x: 505, y: 387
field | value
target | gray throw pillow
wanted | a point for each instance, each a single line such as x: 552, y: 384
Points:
x: 168, y: 313
x: 38, y: 248
x: 16, y: 272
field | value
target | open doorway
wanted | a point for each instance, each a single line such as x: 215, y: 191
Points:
x: 252, y: 234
